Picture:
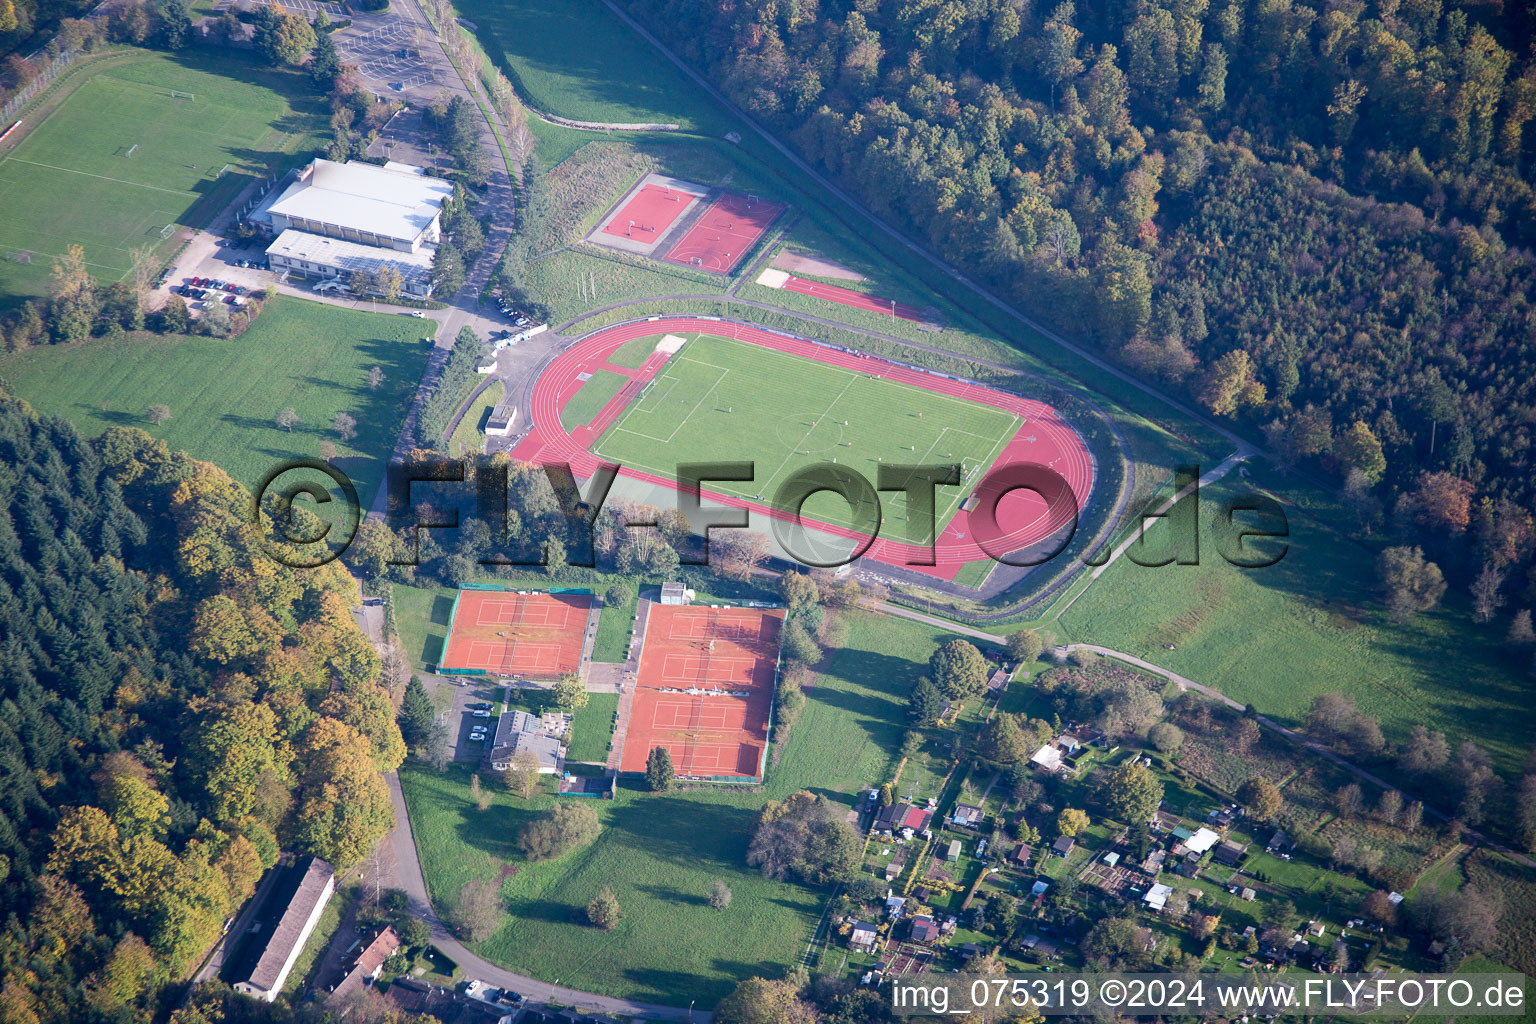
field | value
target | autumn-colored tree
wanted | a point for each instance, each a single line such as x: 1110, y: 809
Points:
x: 367, y: 709
x: 478, y: 796
x: 1071, y: 822
x: 1440, y: 501
x: 1230, y: 384
x: 345, y: 806
x: 390, y: 283
x: 570, y: 693
x: 129, y: 970
x: 761, y: 1001
x: 1408, y: 583
x: 480, y: 909
x: 1261, y: 797
x: 523, y: 776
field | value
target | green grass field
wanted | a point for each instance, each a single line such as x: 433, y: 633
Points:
x: 613, y: 630
x: 726, y: 400
x: 469, y: 435
x: 224, y: 395
x: 577, y: 60
x: 592, y: 728
x: 660, y: 853
x: 72, y: 180
x: 1312, y: 624
x: 633, y: 353
x: 590, y: 399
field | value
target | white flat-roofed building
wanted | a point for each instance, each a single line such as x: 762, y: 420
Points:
x: 396, y: 206
x: 305, y: 901
x: 316, y: 256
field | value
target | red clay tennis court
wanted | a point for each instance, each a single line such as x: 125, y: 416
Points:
x: 504, y: 633
x: 705, y: 690
x: 649, y: 213
x: 724, y: 232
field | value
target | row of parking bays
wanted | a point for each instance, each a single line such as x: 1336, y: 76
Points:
x: 475, y: 724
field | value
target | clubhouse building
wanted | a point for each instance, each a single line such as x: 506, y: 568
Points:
x: 333, y: 220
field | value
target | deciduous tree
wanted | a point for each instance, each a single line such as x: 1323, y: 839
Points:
x: 958, y: 670
x: 603, y: 912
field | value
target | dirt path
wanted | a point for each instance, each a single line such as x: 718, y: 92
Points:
x: 816, y: 266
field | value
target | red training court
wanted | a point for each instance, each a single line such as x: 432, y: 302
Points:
x: 648, y: 215
x: 724, y: 233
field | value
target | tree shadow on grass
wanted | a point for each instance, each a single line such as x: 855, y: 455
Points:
x: 671, y: 895
x: 431, y: 650
x: 677, y: 987
x: 546, y: 910
x: 683, y: 831
x: 114, y: 416
x: 494, y: 831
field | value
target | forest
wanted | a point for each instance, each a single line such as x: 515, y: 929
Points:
x: 176, y: 708
x: 1311, y: 217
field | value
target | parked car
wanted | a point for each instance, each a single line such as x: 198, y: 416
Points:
x: 476, y: 705
x: 482, y: 713
x: 472, y: 986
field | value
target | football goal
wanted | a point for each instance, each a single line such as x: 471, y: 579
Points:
x: 168, y: 231
x: 177, y: 94
x: 131, y: 149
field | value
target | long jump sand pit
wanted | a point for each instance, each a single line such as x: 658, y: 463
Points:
x: 705, y: 690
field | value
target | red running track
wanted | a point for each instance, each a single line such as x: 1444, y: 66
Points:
x: 1023, y: 517
x: 849, y: 297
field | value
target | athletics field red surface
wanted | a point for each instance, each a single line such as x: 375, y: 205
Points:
x: 503, y: 633
x: 849, y: 297
x: 724, y: 232
x: 704, y: 690
x: 649, y: 214
x: 1023, y: 517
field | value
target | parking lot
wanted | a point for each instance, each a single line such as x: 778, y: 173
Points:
x: 308, y: 9
x: 389, y: 54
x: 463, y: 719
x: 222, y: 263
